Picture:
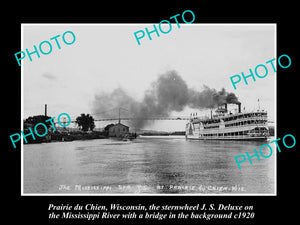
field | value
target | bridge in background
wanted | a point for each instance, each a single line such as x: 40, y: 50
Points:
x: 145, y: 118
x: 119, y: 118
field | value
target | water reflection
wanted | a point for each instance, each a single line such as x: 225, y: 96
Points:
x: 146, y: 165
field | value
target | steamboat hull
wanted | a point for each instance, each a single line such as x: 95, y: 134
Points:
x: 233, y: 138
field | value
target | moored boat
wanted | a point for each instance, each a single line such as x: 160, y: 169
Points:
x: 229, y: 126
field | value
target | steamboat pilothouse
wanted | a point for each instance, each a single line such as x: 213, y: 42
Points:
x: 229, y: 125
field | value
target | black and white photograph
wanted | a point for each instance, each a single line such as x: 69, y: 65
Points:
x: 131, y: 109
x: 150, y: 113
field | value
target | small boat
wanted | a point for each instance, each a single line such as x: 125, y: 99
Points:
x: 128, y: 137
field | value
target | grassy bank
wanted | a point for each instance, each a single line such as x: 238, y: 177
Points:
x: 68, y: 136
x: 77, y: 135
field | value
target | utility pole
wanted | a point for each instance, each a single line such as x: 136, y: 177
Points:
x: 45, y: 110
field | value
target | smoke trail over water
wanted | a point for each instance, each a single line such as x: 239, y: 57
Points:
x: 167, y: 94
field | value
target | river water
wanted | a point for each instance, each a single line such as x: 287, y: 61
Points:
x: 147, y: 165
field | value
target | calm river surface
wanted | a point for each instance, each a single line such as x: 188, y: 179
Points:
x: 147, y: 165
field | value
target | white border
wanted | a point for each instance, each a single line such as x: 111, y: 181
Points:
x: 103, y: 194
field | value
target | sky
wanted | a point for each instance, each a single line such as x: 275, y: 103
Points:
x: 106, y: 56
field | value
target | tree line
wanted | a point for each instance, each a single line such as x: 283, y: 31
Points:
x: 85, y: 122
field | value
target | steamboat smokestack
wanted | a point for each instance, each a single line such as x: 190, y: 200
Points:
x: 45, y: 109
x: 239, y: 105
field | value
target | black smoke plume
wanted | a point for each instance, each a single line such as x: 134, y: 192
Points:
x: 167, y: 94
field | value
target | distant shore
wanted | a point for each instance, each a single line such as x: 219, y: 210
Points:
x: 68, y: 136
x: 80, y: 135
